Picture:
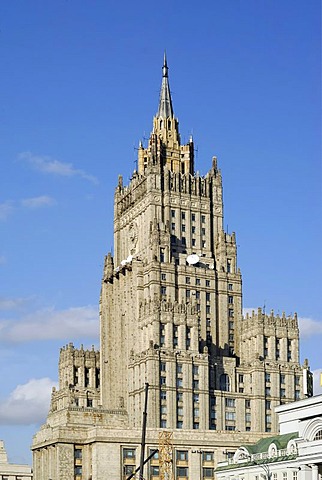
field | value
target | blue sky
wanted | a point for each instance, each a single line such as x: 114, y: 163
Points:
x: 79, y: 87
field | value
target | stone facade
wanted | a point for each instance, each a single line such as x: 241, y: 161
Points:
x: 170, y: 316
x: 11, y: 471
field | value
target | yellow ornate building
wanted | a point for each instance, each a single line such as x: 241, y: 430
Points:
x: 170, y: 316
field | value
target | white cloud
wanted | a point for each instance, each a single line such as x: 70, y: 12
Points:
x: 28, y: 403
x: 317, y: 387
x: 6, y: 209
x: 37, y: 202
x: 51, y: 324
x: 46, y: 164
x: 309, y: 327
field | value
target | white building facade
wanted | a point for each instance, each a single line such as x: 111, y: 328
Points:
x: 295, y: 454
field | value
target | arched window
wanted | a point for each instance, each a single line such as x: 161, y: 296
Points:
x: 225, y: 382
x: 318, y: 435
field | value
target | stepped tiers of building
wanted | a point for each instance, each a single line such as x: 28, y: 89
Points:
x: 170, y: 316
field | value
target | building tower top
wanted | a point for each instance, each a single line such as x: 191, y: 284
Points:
x: 165, y: 103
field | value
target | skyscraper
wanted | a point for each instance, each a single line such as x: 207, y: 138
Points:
x: 170, y: 316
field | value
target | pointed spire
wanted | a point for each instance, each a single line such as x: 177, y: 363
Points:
x: 165, y: 102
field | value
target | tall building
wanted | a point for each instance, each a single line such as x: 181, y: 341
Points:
x: 170, y: 316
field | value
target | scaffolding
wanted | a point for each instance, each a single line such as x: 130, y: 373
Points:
x: 165, y: 455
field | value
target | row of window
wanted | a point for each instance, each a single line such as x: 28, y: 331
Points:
x: 193, y: 216
x: 88, y: 373
x: 193, y: 228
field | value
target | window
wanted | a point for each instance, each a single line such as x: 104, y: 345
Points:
x: 247, y: 403
x: 89, y: 402
x: 297, y: 380
x: 203, y: 218
x: 267, y: 377
x: 187, y: 293
x: 231, y: 325
x: 318, y: 435
x: 228, y: 265
x: 182, y: 455
x: 203, y: 231
x: 163, y: 276
x: 283, y: 394
x: 173, y: 226
x: 268, y: 404
x: 207, y: 283
x: 183, y: 241
x: 188, y: 280
x: 225, y: 382
x: 207, y: 297
x: 230, y: 427
x: 230, y: 415
x: 197, y: 281
x: 78, y: 453
x: 163, y: 291
x: 128, y: 453
x: 162, y: 251
x: 268, y: 419
x: 196, y: 397
x: 196, y: 412
x: 183, y: 215
x: 193, y: 229
x: 195, y: 370
x: 267, y: 391
x: 195, y: 384
x: 230, y: 286
x: 78, y: 470
x: 179, y: 382
x: 230, y: 299
x: 154, y: 470
x: 86, y: 377
x: 297, y: 395
x: 230, y: 312
x: 193, y: 242
x: 193, y: 217
x: 284, y: 475
x: 179, y: 368
x: 180, y: 411
x: 197, y: 294
x: 294, y: 475
x: 162, y: 335
x: 207, y: 309
x: 230, y: 402
x: 248, y: 417
x: 182, y: 472
x: 173, y: 213
x: 241, y: 378
x: 162, y: 380
x: 282, y: 378
x: 163, y: 395
x: 183, y: 227
x: 195, y: 425
x: 163, y: 409
x: 162, y: 366
x: 163, y: 423
x: 208, y: 456
x: 203, y: 244
x: 179, y: 397
x: 180, y: 424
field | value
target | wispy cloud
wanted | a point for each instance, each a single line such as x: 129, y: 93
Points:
x: 7, y: 303
x: 6, y: 208
x: 51, y: 324
x: 28, y: 403
x: 38, y: 202
x: 47, y: 164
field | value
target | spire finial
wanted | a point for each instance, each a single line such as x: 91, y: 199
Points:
x: 165, y: 104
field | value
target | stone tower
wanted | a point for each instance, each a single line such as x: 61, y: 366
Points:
x: 170, y: 316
